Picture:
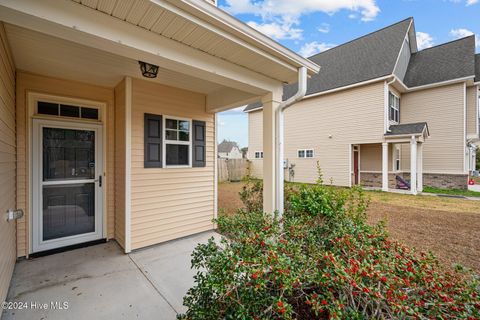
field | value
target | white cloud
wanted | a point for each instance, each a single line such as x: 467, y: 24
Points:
x: 280, y: 18
x: 424, y: 40
x: 467, y: 2
x: 277, y: 30
x: 324, y: 28
x: 462, y: 33
x: 367, y: 8
x: 311, y: 48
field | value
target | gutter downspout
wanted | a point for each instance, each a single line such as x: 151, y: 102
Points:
x: 279, y: 131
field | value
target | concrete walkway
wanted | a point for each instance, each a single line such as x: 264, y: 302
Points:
x: 100, y: 282
x: 475, y: 187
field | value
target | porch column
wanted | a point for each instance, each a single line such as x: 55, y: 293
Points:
x: 420, y: 167
x: 413, y: 166
x: 270, y: 102
x: 385, y: 166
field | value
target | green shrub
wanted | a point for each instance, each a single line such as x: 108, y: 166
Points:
x: 252, y: 194
x: 322, y: 260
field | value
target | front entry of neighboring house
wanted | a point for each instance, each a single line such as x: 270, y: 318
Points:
x: 356, y: 165
x: 67, y: 190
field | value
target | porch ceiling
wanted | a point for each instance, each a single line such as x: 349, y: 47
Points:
x: 47, y: 55
x: 196, y: 23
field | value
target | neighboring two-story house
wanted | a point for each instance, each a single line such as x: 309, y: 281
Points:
x: 229, y: 150
x: 381, y: 111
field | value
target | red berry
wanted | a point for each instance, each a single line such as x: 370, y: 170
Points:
x: 324, y: 302
x: 280, y: 304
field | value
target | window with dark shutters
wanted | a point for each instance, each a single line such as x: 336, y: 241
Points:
x: 153, y: 141
x: 199, y: 144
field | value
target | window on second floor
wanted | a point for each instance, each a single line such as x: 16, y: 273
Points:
x: 393, y: 108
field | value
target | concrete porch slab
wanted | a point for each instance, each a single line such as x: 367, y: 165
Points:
x: 100, y: 282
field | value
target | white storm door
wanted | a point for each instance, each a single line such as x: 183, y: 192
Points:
x: 67, y: 183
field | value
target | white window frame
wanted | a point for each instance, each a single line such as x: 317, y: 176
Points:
x: 177, y: 142
x: 395, y: 107
x: 305, y: 153
x: 259, y: 153
x: 397, y: 159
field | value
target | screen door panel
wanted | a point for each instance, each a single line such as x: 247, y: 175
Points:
x: 68, y: 210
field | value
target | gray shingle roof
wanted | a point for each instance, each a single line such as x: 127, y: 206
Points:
x: 253, y: 106
x: 451, y: 60
x: 227, y: 146
x: 407, y: 128
x: 477, y: 67
x: 371, y: 56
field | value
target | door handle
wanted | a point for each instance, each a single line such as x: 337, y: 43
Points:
x: 99, y: 180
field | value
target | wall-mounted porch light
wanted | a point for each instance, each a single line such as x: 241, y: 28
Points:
x: 148, y: 70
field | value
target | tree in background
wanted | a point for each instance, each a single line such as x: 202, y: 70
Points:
x: 244, y: 151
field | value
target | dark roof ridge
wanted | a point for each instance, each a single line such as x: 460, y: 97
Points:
x: 365, y: 35
x: 445, y: 43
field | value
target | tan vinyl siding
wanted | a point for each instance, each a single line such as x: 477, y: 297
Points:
x: 371, y: 157
x: 120, y: 133
x: 352, y: 116
x: 255, y: 142
x: 443, y: 109
x: 472, y: 114
x: 169, y: 203
x: 29, y: 82
x: 7, y: 163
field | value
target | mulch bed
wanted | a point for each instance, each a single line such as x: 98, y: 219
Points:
x: 453, y: 237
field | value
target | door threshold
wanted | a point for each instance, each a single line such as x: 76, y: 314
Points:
x: 67, y: 248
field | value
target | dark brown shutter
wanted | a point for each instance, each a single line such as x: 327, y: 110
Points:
x: 199, y: 145
x: 153, y: 141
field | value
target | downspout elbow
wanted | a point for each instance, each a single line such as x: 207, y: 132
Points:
x: 302, y: 90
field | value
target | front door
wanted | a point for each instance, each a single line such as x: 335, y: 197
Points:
x: 67, y: 184
x: 356, y: 167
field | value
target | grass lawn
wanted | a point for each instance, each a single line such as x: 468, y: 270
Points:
x: 448, y: 227
x: 454, y: 192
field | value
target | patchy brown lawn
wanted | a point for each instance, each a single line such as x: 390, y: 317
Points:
x: 446, y: 226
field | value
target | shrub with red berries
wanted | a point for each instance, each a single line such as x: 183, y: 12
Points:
x: 322, y: 261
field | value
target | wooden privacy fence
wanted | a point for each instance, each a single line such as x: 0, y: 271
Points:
x: 232, y: 169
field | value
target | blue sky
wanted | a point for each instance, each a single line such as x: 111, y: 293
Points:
x: 312, y: 26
